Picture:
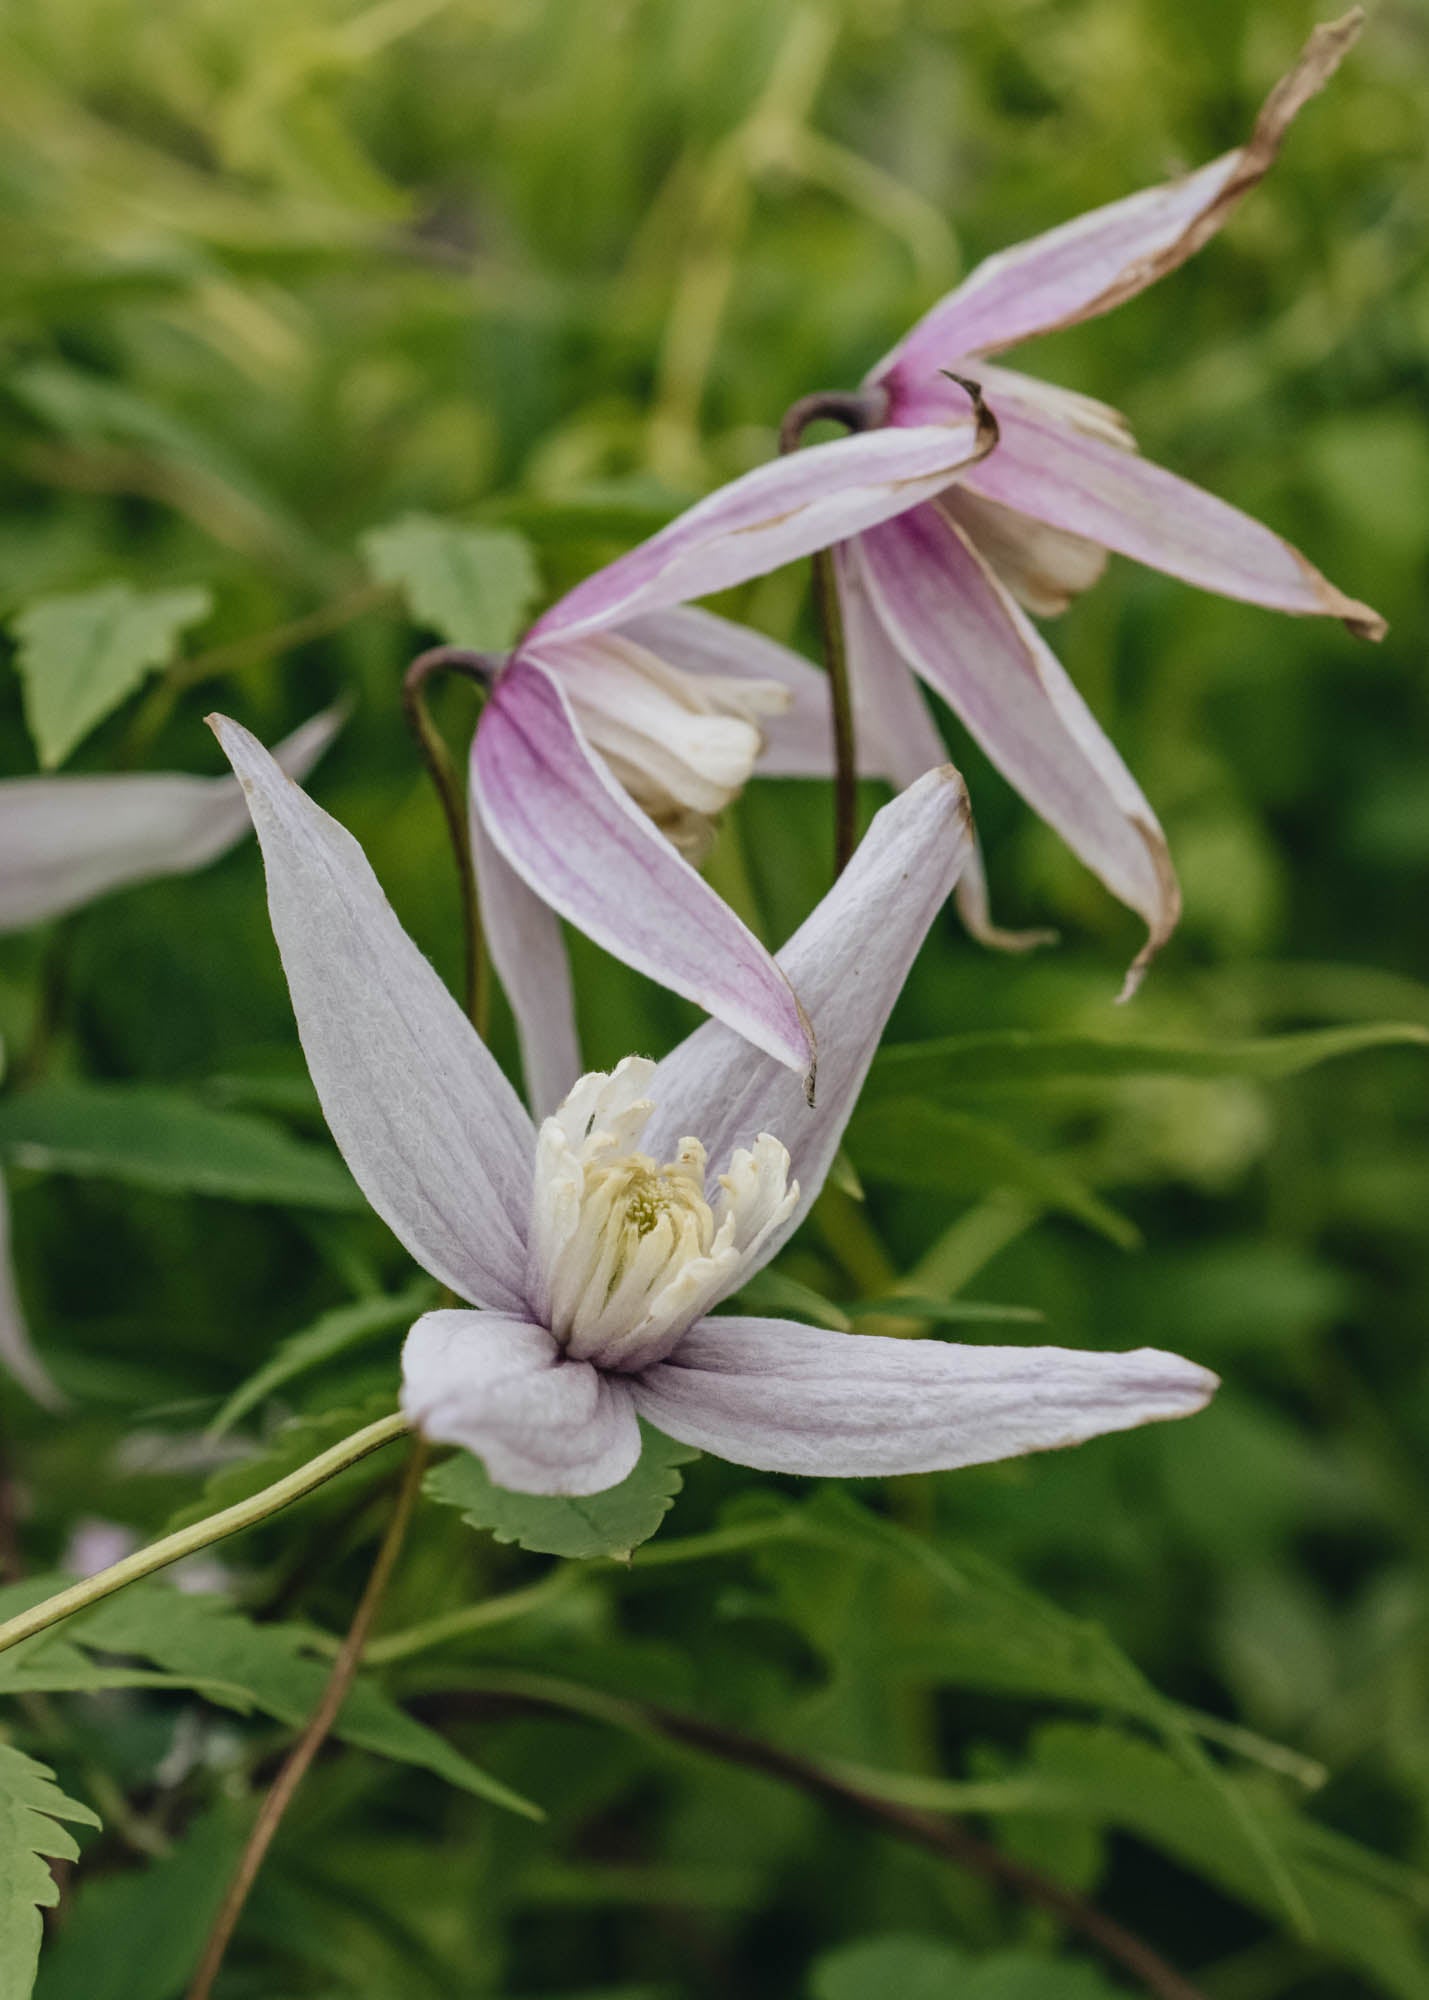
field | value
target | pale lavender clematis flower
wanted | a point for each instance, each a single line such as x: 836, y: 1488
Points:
x: 66, y: 841
x: 594, y: 1248
x: 945, y: 588
x: 602, y: 757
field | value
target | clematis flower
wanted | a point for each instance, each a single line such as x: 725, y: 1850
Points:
x: 592, y: 1250
x: 66, y: 841
x: 604, y: 752
x: 944, y: 589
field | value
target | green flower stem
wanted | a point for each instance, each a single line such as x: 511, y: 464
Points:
x: 202, y: 1534
x: 452, y: 793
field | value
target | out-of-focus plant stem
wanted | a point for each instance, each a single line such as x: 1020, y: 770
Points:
x: 452, y: 793
x: 201, y: 1534
x: 300, y: 1758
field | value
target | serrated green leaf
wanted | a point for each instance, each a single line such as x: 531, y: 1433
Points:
x: 330, y: 1335
x: 601, y: 1524
x: 80, y: 656
x: 1015, y: 1058
x: 31, y: 1808
x: 908, y: 1142
x: 137, y: 1935
x: 160, y: 1139
x: 475, y: 586
x: 207, y: 1640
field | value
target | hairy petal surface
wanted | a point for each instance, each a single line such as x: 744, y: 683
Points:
x: 64, y: 841
x: 502, y: 1389
x: 1100, y: 259
x: 570, y: 831
x: 1079, y: 483
x: 434, y: 1134
x: 780, y: 511
x: 851, y: 956
x: 957, y: 627
x: 788, y: 1398
x: 529, y: 953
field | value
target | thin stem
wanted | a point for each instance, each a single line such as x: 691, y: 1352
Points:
x: 861, y: 411
x: 452, y: 793
x: 831, y: 629
x: 935, y: 1834
x: 295, y: 1769
x: 213, y: 1528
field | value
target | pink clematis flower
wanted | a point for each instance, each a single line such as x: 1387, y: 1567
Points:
x: 594, y: 1248
x: 66, y: 841
x: 945, y: 588
x: 604, y: 750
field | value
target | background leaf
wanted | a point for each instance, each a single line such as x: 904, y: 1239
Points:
x: 80, y: 656
x: 474, y: 586
x: 161, y: 1139
x: 601, y: 1524
x: 31, y: 1807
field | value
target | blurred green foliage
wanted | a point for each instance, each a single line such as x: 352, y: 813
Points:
x: 275, y: 278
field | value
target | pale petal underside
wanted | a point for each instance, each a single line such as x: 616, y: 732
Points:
x: 1099, y: 260
x: 434, y: 1134
x: 501, y: 1388
x: 788, y: 1398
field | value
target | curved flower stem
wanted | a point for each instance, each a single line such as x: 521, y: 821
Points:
x: 935, y: 1833
x: 857, y: 412
x: 187, y: 1541
x: 452, y: 793
x: 300, y: 1757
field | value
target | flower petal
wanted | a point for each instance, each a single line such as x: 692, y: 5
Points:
x: 851, y: 958
x: 17, y: 1350
x: 789, y: 1398
x: 571, y: 833
x: 529, y: 953
x: 1075, y: 481
x: 1100, y: 259
x: 64, y: 841
x: 798, y: 743
x: 781, y: 510
x: 434, y: 1134
x: 895, y: 736
x: 958, y: 628
x: 503, y: 1390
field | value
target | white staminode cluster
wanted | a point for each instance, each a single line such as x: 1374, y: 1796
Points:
x: 626, y: 1253
x: 682, y: 744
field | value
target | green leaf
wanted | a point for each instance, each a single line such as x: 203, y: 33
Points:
x: 1014, y: 1058
x: 138, y: 1935
x: 913, y: 1968
x: 31, y: 1807
x: 160, y: 1139
x: 909, y: 1142
x: 924, y: 1968
x: 1101, y: 1774
x: 80, y: 656
x: 332, y: 1334
x: 602, y: 1524
x: 475, y: 586
x: 212, y: 1645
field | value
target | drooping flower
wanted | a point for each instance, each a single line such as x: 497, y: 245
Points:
x: 593, y: 1250
x: 945, y: 589
x: 603, y: 753
x: 67, y: 841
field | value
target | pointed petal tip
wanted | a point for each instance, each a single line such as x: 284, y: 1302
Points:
x: 1166, y: 917
x: 1183, y: 1387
